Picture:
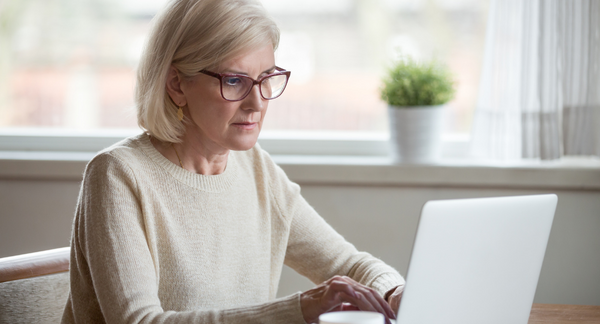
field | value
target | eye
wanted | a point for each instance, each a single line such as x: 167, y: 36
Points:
x: 232, y: 81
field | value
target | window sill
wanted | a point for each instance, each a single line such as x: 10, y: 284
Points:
x: 571, y: 173
x: 566, y: 174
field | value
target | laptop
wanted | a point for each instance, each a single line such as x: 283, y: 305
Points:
x: 477, y: 260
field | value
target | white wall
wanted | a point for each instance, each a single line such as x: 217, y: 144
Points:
x: 375, y: 207
x: 383, y: 221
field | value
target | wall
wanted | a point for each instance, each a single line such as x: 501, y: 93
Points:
x: 383, y: 221
x: 374, y: 205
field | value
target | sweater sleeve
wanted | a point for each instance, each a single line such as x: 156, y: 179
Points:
x: 113, y: 275
x: 316, y: 251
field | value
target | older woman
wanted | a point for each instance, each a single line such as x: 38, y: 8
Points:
x: 191, y: 222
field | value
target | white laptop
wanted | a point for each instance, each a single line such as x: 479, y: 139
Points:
x: 477, y: 261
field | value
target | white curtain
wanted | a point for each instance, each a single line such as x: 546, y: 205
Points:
x: 539, y: 94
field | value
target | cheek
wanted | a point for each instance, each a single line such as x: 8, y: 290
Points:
x: 264, y: 111
x: 209, y: 107
x: 216, y: 116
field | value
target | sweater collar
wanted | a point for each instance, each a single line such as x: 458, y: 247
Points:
x: 209, y: 183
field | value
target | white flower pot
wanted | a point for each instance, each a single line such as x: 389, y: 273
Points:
x: 415, y: 133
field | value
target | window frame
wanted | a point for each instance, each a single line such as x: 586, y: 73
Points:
x: 290, y: 143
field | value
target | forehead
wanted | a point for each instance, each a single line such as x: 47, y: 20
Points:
x: 253, y: 61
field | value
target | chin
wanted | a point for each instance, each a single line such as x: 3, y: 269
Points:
x: 245, y: 144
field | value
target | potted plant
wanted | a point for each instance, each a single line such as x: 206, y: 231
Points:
x: 416, y: 93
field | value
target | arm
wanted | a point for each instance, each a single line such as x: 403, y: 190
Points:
x: 113, y: 274
x: 318, y: 252
x: 320, y: 248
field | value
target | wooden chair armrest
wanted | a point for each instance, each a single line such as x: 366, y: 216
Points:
x: 34, y: 264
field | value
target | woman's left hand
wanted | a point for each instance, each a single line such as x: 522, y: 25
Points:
x: 393, y: 297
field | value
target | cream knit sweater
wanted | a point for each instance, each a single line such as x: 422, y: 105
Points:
x: 153, y: 243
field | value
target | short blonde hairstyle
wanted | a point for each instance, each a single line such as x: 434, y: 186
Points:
x: 193, y: 35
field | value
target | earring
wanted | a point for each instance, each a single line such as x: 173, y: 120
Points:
x: 180, y: 113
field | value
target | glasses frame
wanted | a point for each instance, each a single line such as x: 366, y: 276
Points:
x: 220, y: 76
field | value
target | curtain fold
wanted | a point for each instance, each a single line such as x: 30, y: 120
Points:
x: 539, y: 89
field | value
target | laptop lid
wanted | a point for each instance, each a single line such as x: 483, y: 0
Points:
x: 477, y: 260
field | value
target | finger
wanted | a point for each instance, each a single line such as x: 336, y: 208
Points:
x: 362, y: 301
x: 383, y: 303
x: 348, y: 307
x: 329, y: 296
x: 364, y: 304
x: 394, y: 304
x: 396, y: 299
x: 336, y: 295
x: 345, y: 289
x: 370, y: 304
x: 341, y: 285
x: 340, y: 291
x: 372, y: 296
x: 379, y: 303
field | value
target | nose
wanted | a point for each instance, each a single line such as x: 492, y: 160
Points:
x: 254, y: 100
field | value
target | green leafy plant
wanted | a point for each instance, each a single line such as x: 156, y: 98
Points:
x: 410, y: 83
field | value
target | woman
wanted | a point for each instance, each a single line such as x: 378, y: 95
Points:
x: 191, y: 222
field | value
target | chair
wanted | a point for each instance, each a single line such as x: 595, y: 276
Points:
x: 34, y: 287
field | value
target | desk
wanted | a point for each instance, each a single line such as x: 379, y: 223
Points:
x: 564, y: 314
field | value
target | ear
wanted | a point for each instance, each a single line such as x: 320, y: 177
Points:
x: 174, y: 87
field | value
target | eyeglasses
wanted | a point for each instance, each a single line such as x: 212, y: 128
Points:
x: 236, y: 87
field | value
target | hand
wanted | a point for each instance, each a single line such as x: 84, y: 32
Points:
x: 393, y: 297
x: 342, y: 293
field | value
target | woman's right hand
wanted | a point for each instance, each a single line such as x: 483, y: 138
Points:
x: 342, y: 293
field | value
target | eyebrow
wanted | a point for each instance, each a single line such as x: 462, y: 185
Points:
x: 269, y: 70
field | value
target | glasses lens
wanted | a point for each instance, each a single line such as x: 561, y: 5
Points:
x: 273, y: 86
x: 235, y: 87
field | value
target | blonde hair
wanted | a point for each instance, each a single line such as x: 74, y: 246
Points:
x: 193, y: 35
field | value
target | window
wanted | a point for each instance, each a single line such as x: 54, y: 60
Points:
x: 70, y: 63
x: 338, y: 51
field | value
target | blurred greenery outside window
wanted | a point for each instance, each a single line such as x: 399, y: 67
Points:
x: 70, y: 64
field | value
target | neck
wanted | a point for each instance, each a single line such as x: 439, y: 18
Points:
x: 194, y: 157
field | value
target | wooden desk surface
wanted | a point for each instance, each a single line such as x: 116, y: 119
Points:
x: 564, y: 314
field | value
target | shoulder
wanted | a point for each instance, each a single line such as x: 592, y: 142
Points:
x: 120, y: 158
x: 128, y: 149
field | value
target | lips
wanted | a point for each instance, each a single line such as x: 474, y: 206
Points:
x: 246, y: 125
